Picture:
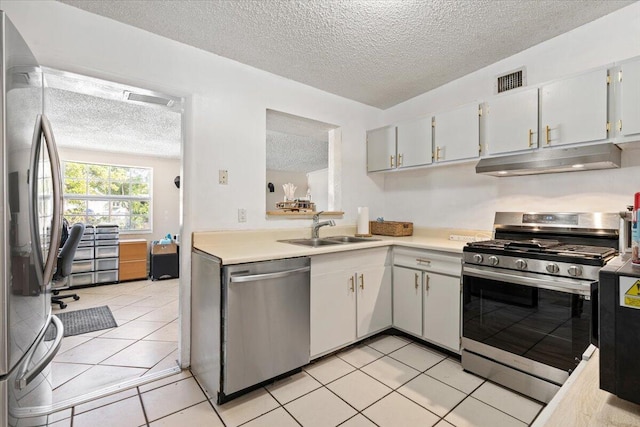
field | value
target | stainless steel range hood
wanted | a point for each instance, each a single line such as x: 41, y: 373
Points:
x: 553, y: 160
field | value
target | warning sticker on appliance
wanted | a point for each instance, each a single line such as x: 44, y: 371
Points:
x: 630, y: 292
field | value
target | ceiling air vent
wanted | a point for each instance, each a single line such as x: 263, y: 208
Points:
x: 510, y: 81
x: 149, y: 99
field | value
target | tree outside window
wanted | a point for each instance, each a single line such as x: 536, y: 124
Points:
x: 98, y: 194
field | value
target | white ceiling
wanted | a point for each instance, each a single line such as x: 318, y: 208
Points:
x: 296, y: 144
x: 91, y: 114
x: 379, y: 52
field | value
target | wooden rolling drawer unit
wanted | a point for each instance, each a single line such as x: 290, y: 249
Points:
x: 133, y: 259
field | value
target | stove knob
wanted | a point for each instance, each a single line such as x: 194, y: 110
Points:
x: 521, y: 264
x: 553, y: 268
x: 493, y: 260
x: 477, y: 258
x: 575, y: 271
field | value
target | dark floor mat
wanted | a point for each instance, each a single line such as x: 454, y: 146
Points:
x: 83, y: 321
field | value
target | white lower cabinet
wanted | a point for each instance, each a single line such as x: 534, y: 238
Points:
x: 373, y: 303
x: 426, y: 296
x: 407, y: 300
x: 441, y: 310
x: 350, y: 297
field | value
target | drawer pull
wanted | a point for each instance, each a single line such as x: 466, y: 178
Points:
x: 423, y: 261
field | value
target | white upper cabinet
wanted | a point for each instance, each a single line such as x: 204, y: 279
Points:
x: 457, y: 134
x: 630, y: 102
x: 414, y: 143
x: 574, y: 110
x: 381, y: 149
x: 511, y: 122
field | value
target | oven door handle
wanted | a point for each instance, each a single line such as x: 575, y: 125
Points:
x: 579, y: 287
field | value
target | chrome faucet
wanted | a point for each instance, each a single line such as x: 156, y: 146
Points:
x: 315, y: 227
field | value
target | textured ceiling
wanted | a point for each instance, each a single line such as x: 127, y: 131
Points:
x: 90, y: 114
x: 296, y: 144
x: 379, y: 52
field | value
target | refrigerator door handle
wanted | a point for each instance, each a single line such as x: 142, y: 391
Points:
x: 44, y: 127
x: 56, y: 179
x: 25, y: 377
x: 33, y: 202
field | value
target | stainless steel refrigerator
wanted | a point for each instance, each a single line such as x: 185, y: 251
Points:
x: 30, y: 228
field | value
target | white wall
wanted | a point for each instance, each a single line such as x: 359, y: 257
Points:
x: 166, y: 197
x: 318, y: 182
x: 278, y: 178
x: 224, y: 120
x: 454, y: 196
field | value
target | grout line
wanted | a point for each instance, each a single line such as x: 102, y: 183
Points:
x: 362, y: 366
x: 208, y: 399
x: 144, y: 411
x: 175, y: 412
x: 498, y: 409
x: 468, y: 395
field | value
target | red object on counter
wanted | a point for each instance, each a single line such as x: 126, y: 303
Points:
x: 636, y: 202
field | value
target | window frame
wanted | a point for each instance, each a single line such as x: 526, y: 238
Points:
x: 87, y: 197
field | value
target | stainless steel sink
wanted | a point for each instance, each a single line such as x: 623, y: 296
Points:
x: 310, y: 242
x: 333, y: 240
x: 350, y: 239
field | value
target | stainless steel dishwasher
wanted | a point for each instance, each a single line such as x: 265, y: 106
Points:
x: 265, y: 321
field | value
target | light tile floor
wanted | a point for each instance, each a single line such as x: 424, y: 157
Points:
x: 145, y: 341
x: 386, y: 381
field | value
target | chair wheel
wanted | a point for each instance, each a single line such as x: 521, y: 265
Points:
x: 76, y: 297
x: 55, y: 292
x: 63, y: 306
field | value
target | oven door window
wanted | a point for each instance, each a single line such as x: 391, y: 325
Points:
x: 548, y: 326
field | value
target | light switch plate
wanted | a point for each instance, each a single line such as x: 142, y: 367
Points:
x: 242, y: 215
x: 223, y: 177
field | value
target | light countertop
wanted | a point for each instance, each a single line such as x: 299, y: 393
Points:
x: 236, y: 247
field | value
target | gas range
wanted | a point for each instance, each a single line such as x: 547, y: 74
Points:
x: 574, y: 245
x: 526, y: 297
x: 544, y: 256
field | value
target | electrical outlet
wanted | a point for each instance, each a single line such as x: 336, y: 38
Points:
x: 461, y: 238
x: 242, y: 215
x: 223, y: 177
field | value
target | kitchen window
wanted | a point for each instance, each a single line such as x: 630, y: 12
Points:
x: 101, y: 193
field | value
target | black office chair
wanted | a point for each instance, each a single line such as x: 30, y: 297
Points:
x: 65, y: 262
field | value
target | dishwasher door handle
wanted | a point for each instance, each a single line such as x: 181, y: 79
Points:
x: 276, y: 275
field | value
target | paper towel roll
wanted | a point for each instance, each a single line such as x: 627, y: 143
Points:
x: 363, y: 221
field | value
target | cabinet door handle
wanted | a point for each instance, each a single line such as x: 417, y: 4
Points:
x: 437, y: 153
x: 399, y: 159
x: 362, y: 281
x: 416, y: 280
x: 530, y: 139
x: 390, y: 161
x: 352, y: 285
x: 546, y: 135
x: 426, y: 286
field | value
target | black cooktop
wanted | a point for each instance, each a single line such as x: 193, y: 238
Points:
x: 545, y: 246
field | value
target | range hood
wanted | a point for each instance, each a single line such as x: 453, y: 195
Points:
x: 553, y: 160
